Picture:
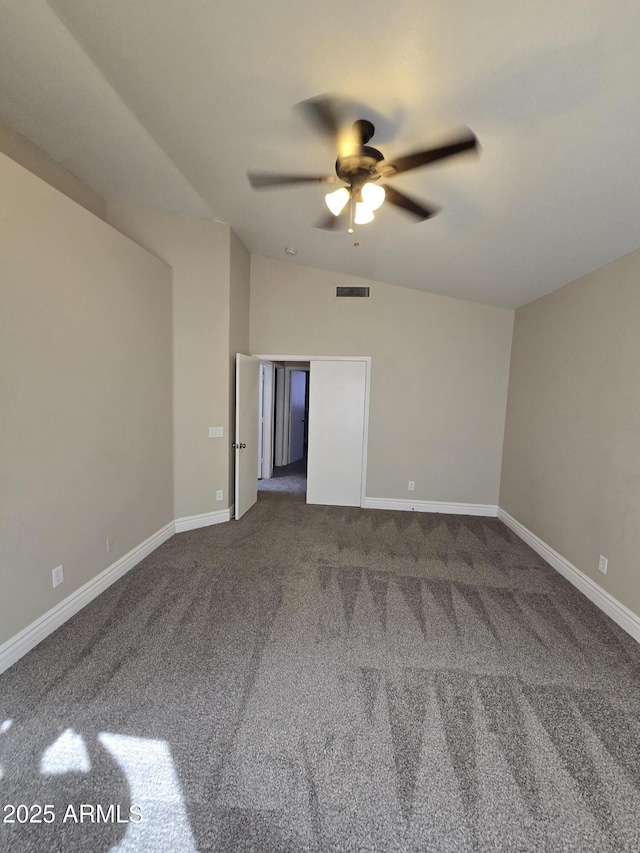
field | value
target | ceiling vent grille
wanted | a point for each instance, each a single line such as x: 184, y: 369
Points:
x: 352, y: 291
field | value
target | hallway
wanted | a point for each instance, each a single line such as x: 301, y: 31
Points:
x: 287, y: 480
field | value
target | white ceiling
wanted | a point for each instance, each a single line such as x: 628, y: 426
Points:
x: 168, y: 104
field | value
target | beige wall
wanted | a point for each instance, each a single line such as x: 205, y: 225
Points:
x: 85, y: 385
x: 571, y: 468
x: 239, y: 285
x: 198, y: 250
x: 438, y: 376
x: 36, y: 161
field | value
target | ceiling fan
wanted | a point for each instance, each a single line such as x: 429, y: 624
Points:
x: 360, y: 167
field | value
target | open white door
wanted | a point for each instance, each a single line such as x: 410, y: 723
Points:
x: 246, y: 444
x: 337, y: 412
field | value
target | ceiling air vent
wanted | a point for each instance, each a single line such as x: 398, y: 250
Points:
x: 352, y: 291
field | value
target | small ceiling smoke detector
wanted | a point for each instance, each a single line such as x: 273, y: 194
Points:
x: 291, y: 251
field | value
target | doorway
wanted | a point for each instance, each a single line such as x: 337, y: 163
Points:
x: 286, y: 459
x: 334, y: 438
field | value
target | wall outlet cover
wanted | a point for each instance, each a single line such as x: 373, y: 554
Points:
x: 216, y: 432
x: 603, y: 564
x: 219, y: 495
x: 57, y: 576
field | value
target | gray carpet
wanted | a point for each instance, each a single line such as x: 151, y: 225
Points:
x: 287, y: 481
x: 327, y: 679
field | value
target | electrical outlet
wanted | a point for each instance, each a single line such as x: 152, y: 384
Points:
x: 109, y: 543
x: 57, y: 576
x: 603, y: 564
x: 216, y: 432
x: 219, y: 495
x: 412, y: 486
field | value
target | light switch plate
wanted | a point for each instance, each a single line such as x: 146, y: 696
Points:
x: 216, y: 432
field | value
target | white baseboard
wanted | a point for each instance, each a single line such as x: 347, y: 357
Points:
x: 29, y: 637
x: 193, y: 522
x: 487, y: 510
x: 620, y: 614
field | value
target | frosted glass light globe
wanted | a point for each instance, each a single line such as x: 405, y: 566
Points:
x: 372, y: 195
x: 337, y: 200
x: 364, y: 214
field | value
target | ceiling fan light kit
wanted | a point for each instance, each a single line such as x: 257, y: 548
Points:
x: 371, y: 198
x: 359, y: 167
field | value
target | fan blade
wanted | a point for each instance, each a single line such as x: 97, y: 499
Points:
x: 415, y: 208
x: 329, y: 115
x: 329, y: 222
x: 267, y: 180
x: 389, y: 168
x: 324, y: 113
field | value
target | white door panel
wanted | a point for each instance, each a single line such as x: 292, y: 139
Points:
x: 337, y: 393
x: 246, y: 450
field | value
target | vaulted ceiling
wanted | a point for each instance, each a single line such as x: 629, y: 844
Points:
x: 168, y: 104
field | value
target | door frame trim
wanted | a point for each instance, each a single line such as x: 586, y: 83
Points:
x: 267, y: 425
x: 367, y: 388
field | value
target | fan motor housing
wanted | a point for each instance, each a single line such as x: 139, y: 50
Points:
x: 359, y: 168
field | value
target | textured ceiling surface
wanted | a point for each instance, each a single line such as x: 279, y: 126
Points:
x: 168, y: 104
